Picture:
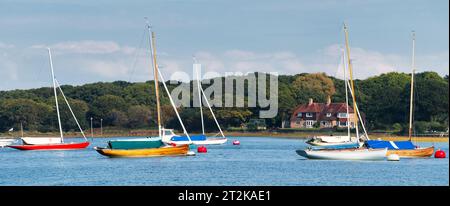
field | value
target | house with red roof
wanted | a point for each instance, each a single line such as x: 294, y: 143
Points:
x: 325, y: 115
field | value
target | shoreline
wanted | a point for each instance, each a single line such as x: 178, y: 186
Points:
x: 291, y: 135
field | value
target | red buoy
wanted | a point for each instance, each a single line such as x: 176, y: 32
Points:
x: 439, y: 154
x: 236, y: 142
x: 202, y: 149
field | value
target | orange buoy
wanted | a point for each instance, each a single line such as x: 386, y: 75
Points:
x: 236, y: 142
x: 202, y: 149
x: 439, y: 154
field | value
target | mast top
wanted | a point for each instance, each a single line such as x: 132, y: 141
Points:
x: 194, y: 59
x: 147, y: 23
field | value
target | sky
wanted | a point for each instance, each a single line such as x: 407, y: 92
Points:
x: 105, y: 40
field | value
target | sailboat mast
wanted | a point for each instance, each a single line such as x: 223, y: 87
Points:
x: 21, y: 128
x: 351, y: 77
x: 56, y: 96
x: 346, y: 95
x: 197, y: 71
x: 411, y: 102
x: 155, y: 73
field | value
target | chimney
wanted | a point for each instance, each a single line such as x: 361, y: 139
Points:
x: 310, y: 101
x: 329, y: 100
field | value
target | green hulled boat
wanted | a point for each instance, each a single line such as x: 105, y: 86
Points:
x: 148, y: 146
x: 136, y: 143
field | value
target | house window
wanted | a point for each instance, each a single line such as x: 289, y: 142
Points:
x: 325, y: 123
x: 342, y: 115
x: 309, y: 123
x: 297, y: 121
x: 328, y: 114
x: 343, y: 124
x: 309, y: 114
x: 299, y: 114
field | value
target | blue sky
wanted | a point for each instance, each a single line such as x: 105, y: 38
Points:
x: 102, y: 40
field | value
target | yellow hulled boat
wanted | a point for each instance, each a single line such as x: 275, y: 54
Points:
x: 181, y: 150
x: 149, y: 147
x: 405, y: 149
x: 413, y: 153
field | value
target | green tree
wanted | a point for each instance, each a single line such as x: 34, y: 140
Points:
x: 139, y: 116
x: 233, y: 117
x: 109, y: 108
x: 382, y: 100
x: 140, y: 94
x: 79, y: 108
x: 118, y: 118
x: 431, y: 98
x: 286, y: 102
x: 317, y: 86
x: 31, y: 114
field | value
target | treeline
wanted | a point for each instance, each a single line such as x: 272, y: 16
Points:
x: 384, y: 99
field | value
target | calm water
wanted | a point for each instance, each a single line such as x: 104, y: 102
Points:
x: 257, y: 161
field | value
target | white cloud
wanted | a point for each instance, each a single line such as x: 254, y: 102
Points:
x: 210, y: 62
x: 438, y: 62
x: 373, y: 62
x: 251, y: 66
x: 8, y: 70
x: 284, y: 55
x: 6, y: 46
x: 240, y: 54
x: 87, y: 47
x: 291, y: 65
x: 365, y: 62
x: 107, y: 69
x: 167, y: 66
x: 248, y: 61
x: 81, y: 62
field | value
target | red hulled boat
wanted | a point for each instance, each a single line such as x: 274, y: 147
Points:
x: 53, y: 143
x: 60, y: 146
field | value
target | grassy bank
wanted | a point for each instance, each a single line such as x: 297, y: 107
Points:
x: 291, y: 135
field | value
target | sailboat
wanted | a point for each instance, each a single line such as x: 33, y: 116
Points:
x: 198, y: 139
x: 405, y: 149
x: 347, y: 154
x: 333, y: 141
x: 150, y: 146
x: 53, y: 143
x: 359, y: 153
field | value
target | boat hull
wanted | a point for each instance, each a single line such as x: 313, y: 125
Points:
x: 351, y: 154
x: 60, y: 146
x: 413, y: 153
x: 41, y: 140
x: 181, y: 150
